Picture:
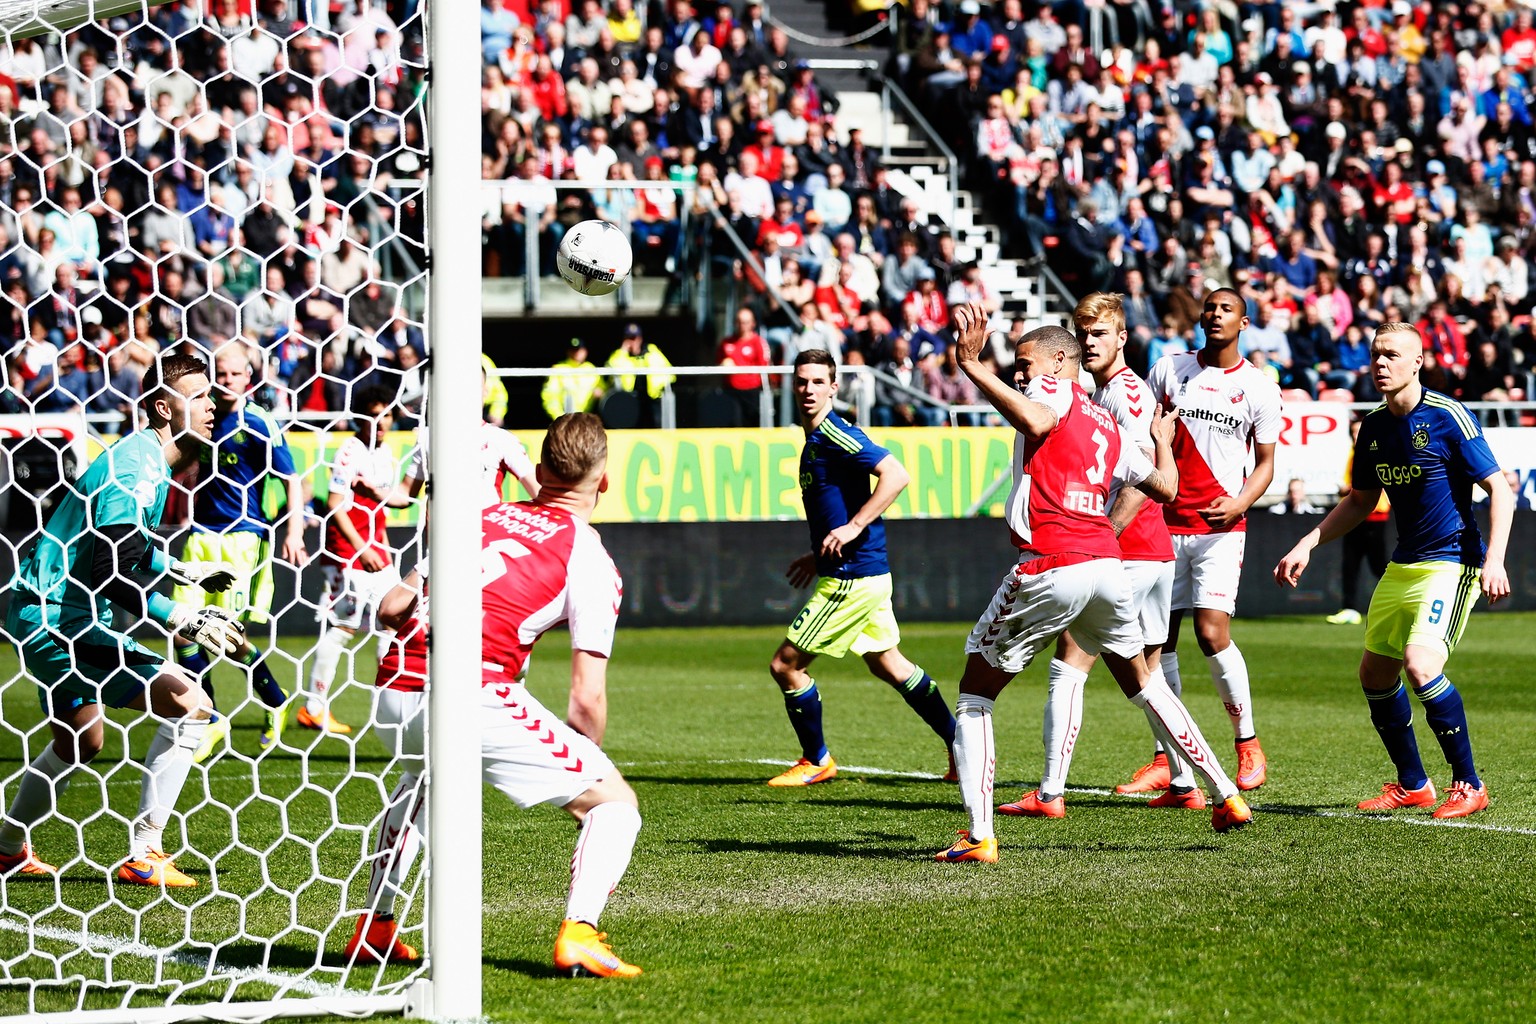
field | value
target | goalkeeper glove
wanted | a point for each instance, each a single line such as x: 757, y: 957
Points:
x: 210, y: 628
x: 214, y: 577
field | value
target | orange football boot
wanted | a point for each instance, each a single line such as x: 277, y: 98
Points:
x: 1149, y: 778
x: 1395, y: 795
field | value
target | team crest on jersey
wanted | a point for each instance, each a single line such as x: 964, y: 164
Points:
x: 1236, y: 396
x: 1421, y: 439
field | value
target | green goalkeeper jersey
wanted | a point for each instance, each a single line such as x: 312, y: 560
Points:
x: 126, y: 485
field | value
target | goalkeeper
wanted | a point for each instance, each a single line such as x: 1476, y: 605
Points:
x: 95, y: 551
x: 230, y: 530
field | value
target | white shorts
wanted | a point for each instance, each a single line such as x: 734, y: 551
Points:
x: 400, y: 716
x: 351, y: 596
x: 1037, y: 602
x: 1152, y: 595
x: 530, y: 754
x: 1206, y: 570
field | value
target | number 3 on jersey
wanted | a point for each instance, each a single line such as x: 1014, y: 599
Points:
x: 1101, y: 443
x: 493, y: 559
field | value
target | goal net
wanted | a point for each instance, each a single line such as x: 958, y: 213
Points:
x: 245, y: 182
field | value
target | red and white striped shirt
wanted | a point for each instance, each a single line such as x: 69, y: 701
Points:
x: 358, y: 465
x: 541, y: 567
x: 1223, y: 413
x: 1129, y: 401
x: 1060, y: 498
x: 403, y: 660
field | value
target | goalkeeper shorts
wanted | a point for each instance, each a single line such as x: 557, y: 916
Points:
x: 251, y: 555
x: 79, y: 662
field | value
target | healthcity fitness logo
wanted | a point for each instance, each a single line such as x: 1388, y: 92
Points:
x: 1421, y: 439
x: 1220, y: 420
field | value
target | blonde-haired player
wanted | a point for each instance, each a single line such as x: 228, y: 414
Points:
x: 542, y: 566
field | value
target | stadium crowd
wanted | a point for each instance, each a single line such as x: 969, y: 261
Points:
x: 207, y: 177
x: 1341, y: 164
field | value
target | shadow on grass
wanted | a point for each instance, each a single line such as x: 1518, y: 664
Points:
x: 875, y: 804
x: 1138, y: 848
x: 703, y: 780
x: 874, y: 848
x: 286, y: 957
x: 527, y: 968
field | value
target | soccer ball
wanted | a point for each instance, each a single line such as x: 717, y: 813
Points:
x: 594, y: 257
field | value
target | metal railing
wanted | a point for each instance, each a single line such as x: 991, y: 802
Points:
x: 748, y: 256
x: 889, y: 90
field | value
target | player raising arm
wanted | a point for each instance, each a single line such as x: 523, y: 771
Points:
x: 1144, y: 548
x: 850, y: 609
x: 1067, y: 453
x: 97, y: 550
x: 1426, y: 451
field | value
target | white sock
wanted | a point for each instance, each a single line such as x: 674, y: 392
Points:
x: 165, y: 772
x: 399, y: 841
x: 1178, y: 731
x: 1168, y: 664
x: 1063, y: 721
x: 327, y: 656
x: 1181, y: 775
x: 602, y: 854
x: 41, y: 786
x: 975, y: 760
x: 1230, y: 674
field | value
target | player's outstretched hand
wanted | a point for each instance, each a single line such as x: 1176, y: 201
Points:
x: 371, y: 560
x: 970, y: 326
x: 1288, y: 572
x: 212, y: 629
x: 1495, y: 582
x: 214, y: 577
x: 802, y: 571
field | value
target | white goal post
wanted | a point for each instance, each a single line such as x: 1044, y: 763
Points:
x: 280, y: 840
x: 454, y: 217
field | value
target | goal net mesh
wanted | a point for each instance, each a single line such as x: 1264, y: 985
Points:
x: 210, y: 176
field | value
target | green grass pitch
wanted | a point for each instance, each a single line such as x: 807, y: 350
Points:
x: 745, y: 903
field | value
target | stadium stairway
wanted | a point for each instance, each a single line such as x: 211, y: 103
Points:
x: 917, y: 167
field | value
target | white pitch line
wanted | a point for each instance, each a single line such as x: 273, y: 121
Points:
x: 121, y: 945
x: 1297, y: 812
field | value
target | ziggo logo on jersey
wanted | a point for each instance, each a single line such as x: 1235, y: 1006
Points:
x: 1398, y: 474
